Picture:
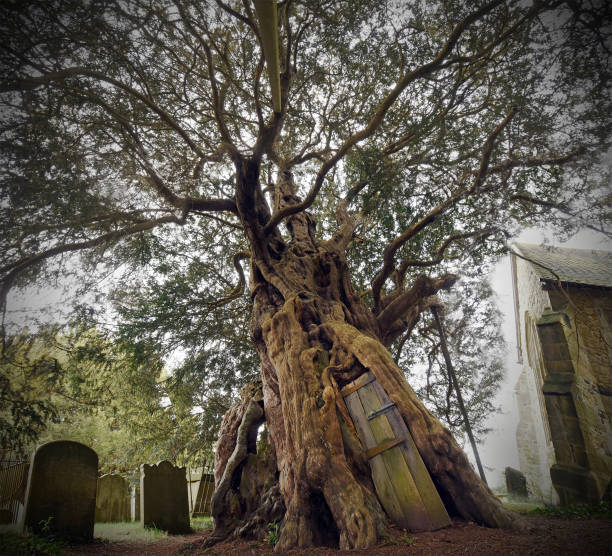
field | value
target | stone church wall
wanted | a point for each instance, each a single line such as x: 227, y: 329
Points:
x: 535, y: 448
x: 590, y: 345
x: 564, y: 393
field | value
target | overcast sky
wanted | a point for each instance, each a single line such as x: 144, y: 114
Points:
x: 499, y: 448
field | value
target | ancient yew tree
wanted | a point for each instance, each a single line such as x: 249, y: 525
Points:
x: 328, y: 168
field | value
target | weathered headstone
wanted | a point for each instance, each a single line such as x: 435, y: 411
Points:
x: 61, y: 492
x: 163, y: 497
x: 112, y: 499
x: 516, y: 484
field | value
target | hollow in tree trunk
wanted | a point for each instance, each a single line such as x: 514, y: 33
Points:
x: 314, y: 335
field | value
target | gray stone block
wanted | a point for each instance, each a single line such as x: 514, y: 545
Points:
x: 575, y: 485
x: 516, y: 483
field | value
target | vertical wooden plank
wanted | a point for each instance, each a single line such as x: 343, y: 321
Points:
x: 415, y: 515
x: 380, y: 477
x: 429, y: 494
x: 353, y: 403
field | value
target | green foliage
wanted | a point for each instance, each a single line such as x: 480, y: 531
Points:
x: 28, y: 371
x: 472, y: 326
x: 110, y: 396
x: 273, y: 533
x: 75, y: 166
x: 123, y: 126
x: 29, y: 545
x: 46, y: 526
x: 603, y: 510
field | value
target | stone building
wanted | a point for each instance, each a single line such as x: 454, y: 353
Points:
x: 563, y: 309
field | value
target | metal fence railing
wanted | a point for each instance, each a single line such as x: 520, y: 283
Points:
x: 13, y: 482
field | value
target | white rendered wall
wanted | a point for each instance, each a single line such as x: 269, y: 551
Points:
x: 535, y: 448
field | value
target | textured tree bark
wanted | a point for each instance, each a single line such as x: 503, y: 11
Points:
x: 246, y: 496
x: 325, y: 503
x: 314, y: 335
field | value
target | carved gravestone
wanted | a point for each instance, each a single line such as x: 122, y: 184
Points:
x: 516, y: 483
x: 112, y: 499
x: 163, y: 497
x: 61, y: 491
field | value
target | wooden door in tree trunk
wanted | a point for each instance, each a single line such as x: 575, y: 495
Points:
x: 400, y: 477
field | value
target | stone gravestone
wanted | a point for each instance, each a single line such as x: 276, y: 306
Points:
x: 61, y: 491
x: 163, y: 497
x: 515, y: 483
x: 112, y: 499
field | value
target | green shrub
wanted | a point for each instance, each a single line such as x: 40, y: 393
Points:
x: 273, y: 533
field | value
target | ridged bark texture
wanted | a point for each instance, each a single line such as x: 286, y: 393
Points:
x: 314, y: 335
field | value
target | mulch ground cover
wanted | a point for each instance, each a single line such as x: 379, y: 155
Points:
x: 547, y: 536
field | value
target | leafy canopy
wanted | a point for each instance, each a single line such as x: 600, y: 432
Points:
x: 114, y: 397
x: 127, y: 126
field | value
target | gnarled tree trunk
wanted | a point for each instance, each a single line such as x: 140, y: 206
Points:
x: 246, y: 497
x: 314, y: 335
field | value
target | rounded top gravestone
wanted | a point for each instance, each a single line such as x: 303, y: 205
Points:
x: 61, y: 492
x: 516, y: 483
x: 112, y: 499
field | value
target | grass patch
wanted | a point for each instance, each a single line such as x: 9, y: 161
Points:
x: 577, y: 511
x: 134, y: 531
x: 521, y: 506
x: 402, y: 540
x: 127, y: 531
x: 200, y: 523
